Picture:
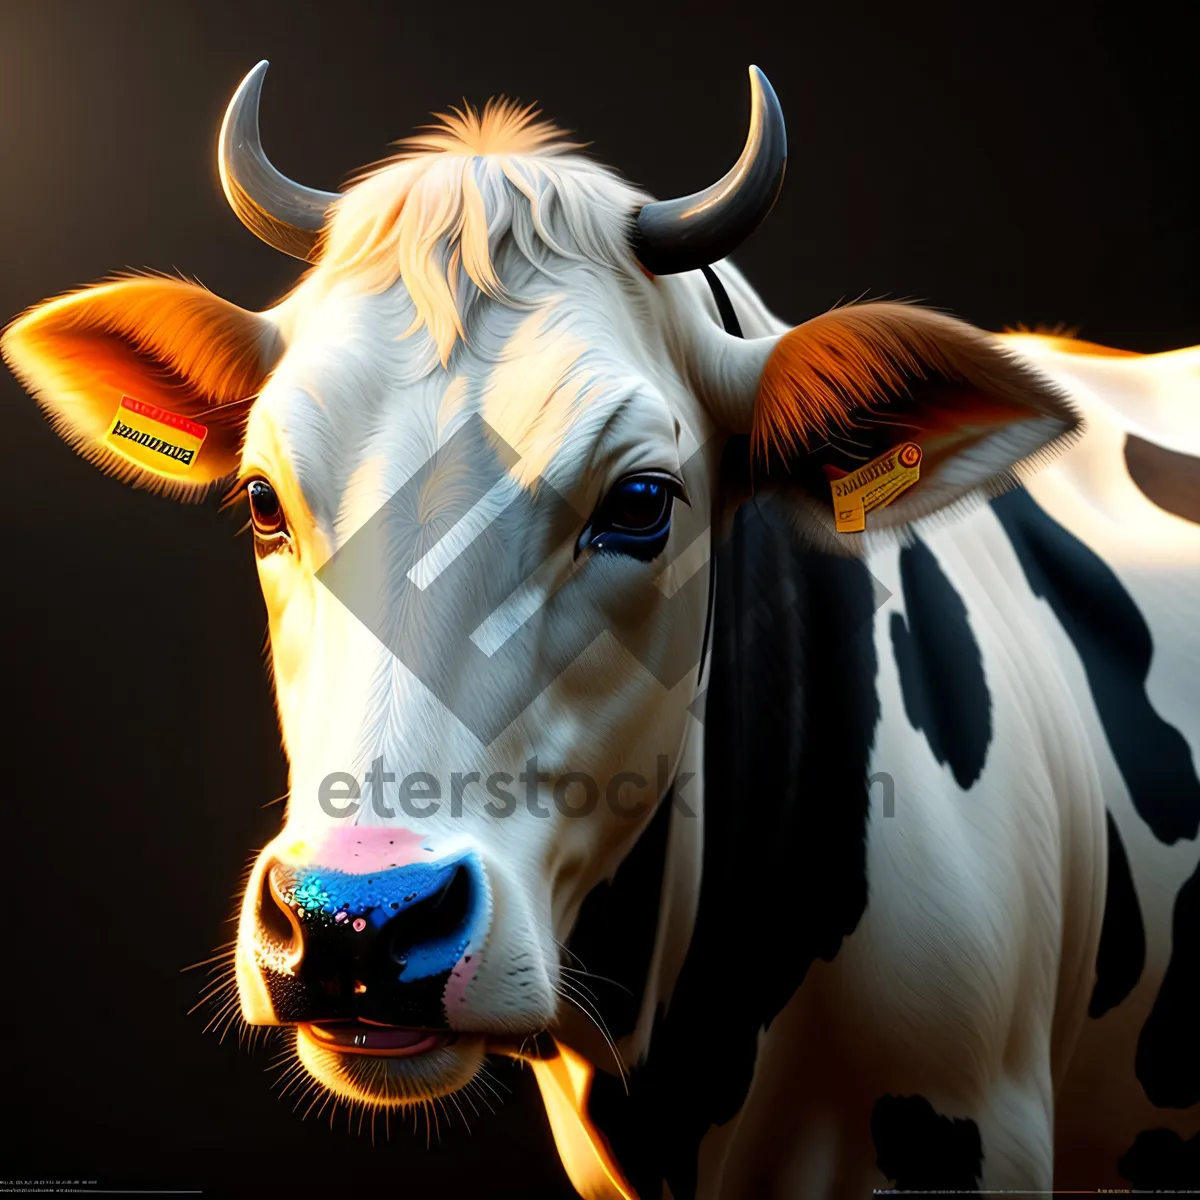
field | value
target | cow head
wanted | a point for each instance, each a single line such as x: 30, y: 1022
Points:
x: 482, y: 445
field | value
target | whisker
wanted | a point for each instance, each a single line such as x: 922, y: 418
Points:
x: 211, y: 996
x: 483, y: 1086
x: 568, y: 951
x: 289, y: 1082
x: 466, y: 1095
x: 488, y: 1080
x: 599, y: 978
x: 219, y: 1015
x: 599, y: 1024
x: 233, y: 1018
x: 454, y: 1101
x: 218, y: 956
x: 314, y: 1086
x: 293, y: 1081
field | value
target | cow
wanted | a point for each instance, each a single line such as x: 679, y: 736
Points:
x: 798, y: 851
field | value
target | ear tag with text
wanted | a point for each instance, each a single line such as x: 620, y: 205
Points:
x: 872, y: 485
x: 154, y: 438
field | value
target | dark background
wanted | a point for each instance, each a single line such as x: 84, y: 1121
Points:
x: 1028, y: 164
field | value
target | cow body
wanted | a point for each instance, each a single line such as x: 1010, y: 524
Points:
x: 981, y: 809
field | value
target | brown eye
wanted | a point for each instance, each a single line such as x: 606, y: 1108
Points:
x: 265, y: 510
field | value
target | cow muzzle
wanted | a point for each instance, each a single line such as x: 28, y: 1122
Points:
x: 372, y: 959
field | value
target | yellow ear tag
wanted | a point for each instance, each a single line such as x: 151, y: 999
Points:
x: 872, y: 485
x: 154, y: 438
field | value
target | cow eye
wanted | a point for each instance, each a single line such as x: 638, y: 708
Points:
x: 634, y: 519
x: 266, y: 512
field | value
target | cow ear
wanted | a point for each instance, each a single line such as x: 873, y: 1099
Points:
x: 138, y: 372
x: 863, y: 384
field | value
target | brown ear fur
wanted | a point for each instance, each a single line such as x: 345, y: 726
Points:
x: 165, y: 341
x: 846, y: 387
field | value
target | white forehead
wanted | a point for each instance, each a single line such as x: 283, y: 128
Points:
x: 356, y: 408
x: 496, y: 283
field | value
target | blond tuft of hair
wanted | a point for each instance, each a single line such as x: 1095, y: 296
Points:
x: 433, y: 214
x: 504, y: 126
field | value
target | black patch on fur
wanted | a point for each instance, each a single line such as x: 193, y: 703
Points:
x: 1168, y: 1051
x: 1122, y: 953
x: 613, y: 938
x: 941, y: 669
x: 918, y: 1148
x: 1114, y: 644
x: 790, y: 720
x: 1160, y: 1158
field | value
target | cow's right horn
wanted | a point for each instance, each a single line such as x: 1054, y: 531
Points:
x: 693, y: 231
x: 284, y: 214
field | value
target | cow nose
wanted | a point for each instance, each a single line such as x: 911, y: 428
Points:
x: 378, y: 947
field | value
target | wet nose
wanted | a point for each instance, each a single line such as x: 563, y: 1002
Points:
x: 379, y: 947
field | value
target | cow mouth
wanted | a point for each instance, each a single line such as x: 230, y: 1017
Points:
x: 388, y: 1066
x: 377, y: 1039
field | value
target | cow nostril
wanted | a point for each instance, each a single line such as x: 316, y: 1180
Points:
x: 431, y: 920
x: 276, y: 921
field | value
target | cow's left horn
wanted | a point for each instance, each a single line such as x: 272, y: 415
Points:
x: 286, y: 215
x: 693, y: 231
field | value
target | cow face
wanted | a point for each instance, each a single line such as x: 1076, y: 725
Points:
x: 484, y: 640
x: 482, y: 448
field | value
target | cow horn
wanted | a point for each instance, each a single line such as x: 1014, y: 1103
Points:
x: 694, y: 231
x: 285, y: 215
